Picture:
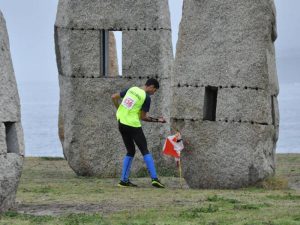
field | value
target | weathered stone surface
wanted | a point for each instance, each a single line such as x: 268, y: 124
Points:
x: 92, y: 143
x: 187, y: 102
x: 225, y: 57
x: 70, y: 61
x: 11, y: 166
x: 118, y: 14
x: 232, y: 104
x: 83, y: 59
x: 275, y: 117
x: 9, y: 99
x: 236, y: 104
x: 89, y: 144
x: 11, y: 134
x: 3, y: 147
x: 221, y: 161
x: 143, y: 47
x: 234, y: 43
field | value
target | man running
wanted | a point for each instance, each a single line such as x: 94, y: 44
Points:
x: 133, y: 108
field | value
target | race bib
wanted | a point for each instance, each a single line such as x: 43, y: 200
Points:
x: 128, y: 102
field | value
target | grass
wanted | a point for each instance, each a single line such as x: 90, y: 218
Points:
x: 50, y: 193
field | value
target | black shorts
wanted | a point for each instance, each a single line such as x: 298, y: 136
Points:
x: 133, y: 135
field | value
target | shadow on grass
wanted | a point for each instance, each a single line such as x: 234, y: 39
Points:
x: 51, y: 158
x: 71, y: 219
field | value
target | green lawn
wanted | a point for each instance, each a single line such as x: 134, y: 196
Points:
x: 50, y: 193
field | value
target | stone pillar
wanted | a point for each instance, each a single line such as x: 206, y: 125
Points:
x: 114, y: 71
x: 92, y: 143
x: 225, y: 91
x: 11, y: 134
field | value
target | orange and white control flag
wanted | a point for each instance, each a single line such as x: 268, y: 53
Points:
x: 173, y: 146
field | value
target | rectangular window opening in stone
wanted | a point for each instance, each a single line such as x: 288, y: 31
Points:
x: 273, y: 110
x: 210, y: 103
x: 11, y: 137
x: 116, y: 63
x: 111, y: 51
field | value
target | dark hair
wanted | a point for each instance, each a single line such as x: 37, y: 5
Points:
x: 153, y: 82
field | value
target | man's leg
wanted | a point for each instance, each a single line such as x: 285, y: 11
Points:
x: 127, y: 161
x: 129, y: 144
x: 150, y: 165
x: 141, y: 142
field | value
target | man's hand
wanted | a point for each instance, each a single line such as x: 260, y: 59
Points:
x: 147, y: 118
x: 115, y: 98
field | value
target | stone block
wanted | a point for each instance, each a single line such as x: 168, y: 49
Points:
x: 83, y: 59
x: 147, y: 53
x: 248, y: 105
x: 12, y: 165
x: 92, y: 142
x: 276, y: 117
x: 188, y: 102
x: 226, y: 155
x: 223, y: 46
x: 108, y: 14
x: 11, y: 135
x: 233, y: 43
x: 272, y: 70
x: 90, y: 137
x: 9, y: 98
x: 3, y: 147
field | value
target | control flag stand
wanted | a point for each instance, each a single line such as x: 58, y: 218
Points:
x: 173, y: 147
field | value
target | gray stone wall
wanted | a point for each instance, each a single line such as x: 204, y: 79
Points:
x: 113, y: 69
x: 11, y: 134
x: 225, y: 91
x: 92, y: 143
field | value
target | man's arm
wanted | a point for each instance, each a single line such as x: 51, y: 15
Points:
x: 115, y: 98
x: 147, y: 118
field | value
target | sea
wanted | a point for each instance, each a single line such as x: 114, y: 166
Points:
x: 39, y: 107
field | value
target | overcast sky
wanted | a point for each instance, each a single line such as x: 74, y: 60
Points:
x: 30, y: 27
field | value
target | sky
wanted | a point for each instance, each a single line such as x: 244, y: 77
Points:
x: 30, y: 25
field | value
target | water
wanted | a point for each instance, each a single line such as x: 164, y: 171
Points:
x: 289, y: 107
x: 39, y: 102
x: 40, y: 117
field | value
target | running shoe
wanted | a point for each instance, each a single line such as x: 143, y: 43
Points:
x: 156, y: 183
x: 126, y: 184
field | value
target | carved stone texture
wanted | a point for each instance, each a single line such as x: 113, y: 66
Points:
x: 113, y: 71
x: 113, y: 14
x: 11, y: 134
x: 92, y: 143
x: 225, y: 91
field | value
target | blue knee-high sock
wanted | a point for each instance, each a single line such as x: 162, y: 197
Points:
x: 150, y: 165
x: 126, y: 168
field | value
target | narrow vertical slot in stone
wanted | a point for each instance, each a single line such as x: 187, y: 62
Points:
x: 57, y: 51
x: 104, y: 54
x: 273, y: 110
x: 11, y: 138
x: 210, y: 103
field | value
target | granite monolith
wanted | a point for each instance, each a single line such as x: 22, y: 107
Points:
x: 92, y: 143
x: 11, y: 134
x: 225, y: 91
